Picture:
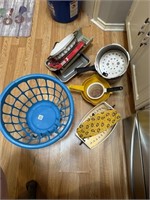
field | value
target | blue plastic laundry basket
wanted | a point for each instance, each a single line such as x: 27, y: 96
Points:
x: 35, y: 111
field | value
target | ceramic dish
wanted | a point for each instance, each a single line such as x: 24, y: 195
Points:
x: 93, y: 141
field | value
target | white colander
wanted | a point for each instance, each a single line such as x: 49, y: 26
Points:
x: 112, y: 61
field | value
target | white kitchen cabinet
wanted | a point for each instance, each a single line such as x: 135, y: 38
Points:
x: 138, y: 34
x: 137, y: 24
x: 140, y: 68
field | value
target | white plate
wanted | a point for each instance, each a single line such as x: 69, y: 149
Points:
x: 60, y: 46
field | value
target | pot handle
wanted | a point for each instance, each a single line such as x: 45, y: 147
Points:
x: 77, y: 88
x: 112, y: 89
x: 85, y: 69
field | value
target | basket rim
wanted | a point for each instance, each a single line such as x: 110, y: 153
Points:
x: 11, y: 85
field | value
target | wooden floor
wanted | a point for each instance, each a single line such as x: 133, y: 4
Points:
x: 64, y: 170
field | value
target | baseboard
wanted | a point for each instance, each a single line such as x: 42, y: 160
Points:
x: 108, y: 26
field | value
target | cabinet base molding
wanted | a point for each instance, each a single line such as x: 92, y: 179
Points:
x: 108, y: 26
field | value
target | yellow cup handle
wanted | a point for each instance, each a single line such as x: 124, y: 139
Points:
x: 78, y: 88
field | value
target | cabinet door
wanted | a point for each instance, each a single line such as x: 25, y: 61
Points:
x: 109, y: 15
x: 140, y: 68
x: 136, y: 24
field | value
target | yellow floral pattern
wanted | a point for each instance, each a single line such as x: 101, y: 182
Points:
x: 98, y: 123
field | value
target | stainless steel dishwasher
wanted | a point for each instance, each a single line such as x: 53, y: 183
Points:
x: 137, y: 149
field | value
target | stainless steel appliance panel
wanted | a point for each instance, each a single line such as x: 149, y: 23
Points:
x: 137, y: 148
x: 144, y: 131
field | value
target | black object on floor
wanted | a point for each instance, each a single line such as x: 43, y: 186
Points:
x: 31, y: 188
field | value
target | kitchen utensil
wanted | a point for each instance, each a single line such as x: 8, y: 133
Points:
x: 8, y: 20
x: 93, y: 90
x: 63, y: 45
x: 111, y: 62
x: 92, y: 79
x: 93, y: 141
x: 98, y: 123
x: 19, y: 18
x: 35, y: 111
x: 65, y: 74
x: 56, y: 65
x: 96, y: 90
x: 67, y: 51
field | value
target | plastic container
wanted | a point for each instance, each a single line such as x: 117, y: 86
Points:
x: 35, y: 111
x: 64, y: 11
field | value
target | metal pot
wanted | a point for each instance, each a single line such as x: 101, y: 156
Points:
x: 111, y: 62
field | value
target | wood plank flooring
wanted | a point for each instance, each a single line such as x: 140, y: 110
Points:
x: 64, y: 170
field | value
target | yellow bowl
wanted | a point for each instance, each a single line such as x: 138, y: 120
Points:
x: 83, y: 89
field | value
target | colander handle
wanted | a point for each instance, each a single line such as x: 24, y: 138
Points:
x: 113, y: 89
x: 85, y: 69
